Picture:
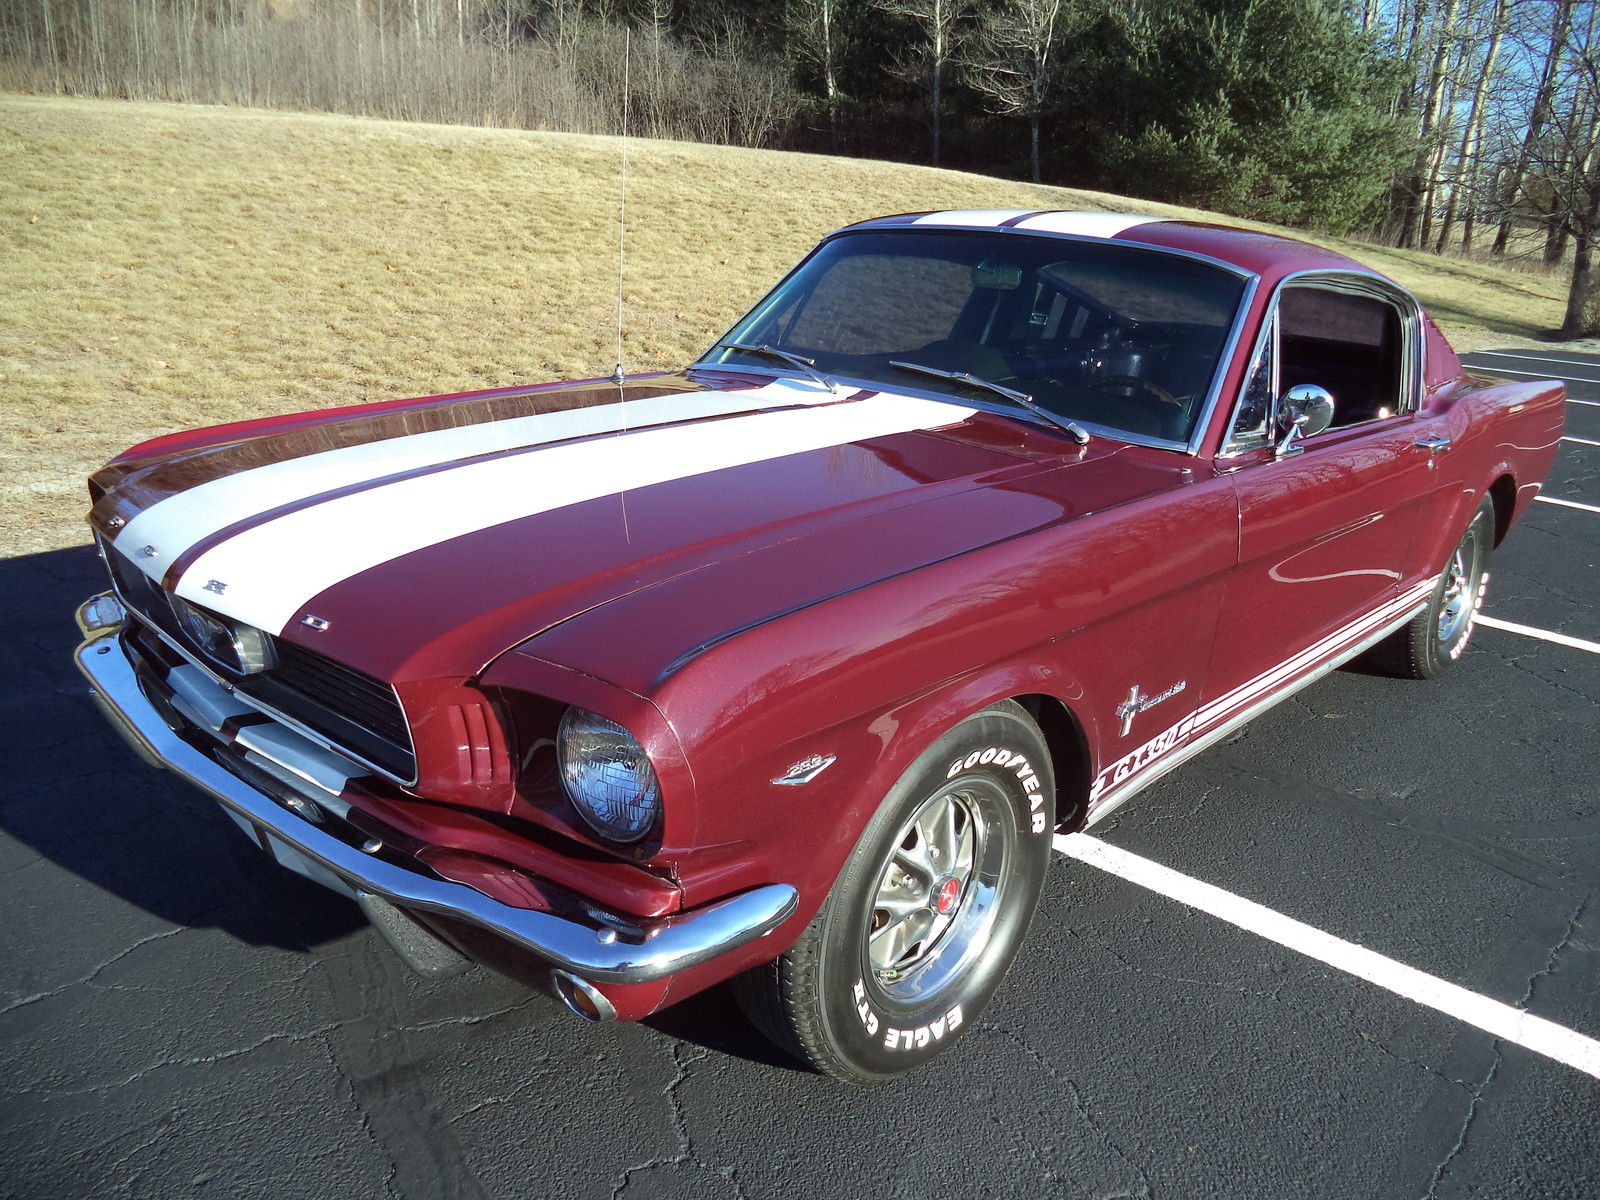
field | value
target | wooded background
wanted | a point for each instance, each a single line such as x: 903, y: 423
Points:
x: 1449, y: 126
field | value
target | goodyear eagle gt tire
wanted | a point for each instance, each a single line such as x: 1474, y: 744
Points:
x: 928, y: 912
x: 1438, y: 635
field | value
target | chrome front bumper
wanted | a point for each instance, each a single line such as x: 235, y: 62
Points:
x: 598, y: 953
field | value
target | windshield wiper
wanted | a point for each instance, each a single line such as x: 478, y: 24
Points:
x: 797, y: 361
x: 1073, y: 430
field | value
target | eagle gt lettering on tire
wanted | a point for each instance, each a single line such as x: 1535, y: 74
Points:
x: 928, y: 912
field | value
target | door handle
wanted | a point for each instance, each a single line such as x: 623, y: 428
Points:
x: 1435, y: 446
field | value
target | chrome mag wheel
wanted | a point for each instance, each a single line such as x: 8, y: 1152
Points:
x: 1460, y: 592
x: 936, y: 896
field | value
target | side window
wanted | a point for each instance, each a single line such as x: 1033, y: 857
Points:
x: 1252, y: 418
x: 1349, y: 344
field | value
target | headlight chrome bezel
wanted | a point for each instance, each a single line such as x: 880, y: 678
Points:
x: 607, y: 746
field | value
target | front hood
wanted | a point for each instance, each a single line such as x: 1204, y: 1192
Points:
x: 425, y: 540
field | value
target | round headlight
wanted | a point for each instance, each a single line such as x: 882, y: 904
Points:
x: 607, y: 776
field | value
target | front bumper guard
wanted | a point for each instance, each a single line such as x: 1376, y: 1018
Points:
x: 597, y: 953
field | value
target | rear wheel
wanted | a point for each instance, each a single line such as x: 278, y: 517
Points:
x: 1438, y: 635
x: 928, y: 912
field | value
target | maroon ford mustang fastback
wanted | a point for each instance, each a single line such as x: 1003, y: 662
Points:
x: 786, y: 667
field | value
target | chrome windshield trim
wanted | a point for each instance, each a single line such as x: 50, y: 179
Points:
x: 1014, y: 231
x: 1230, y: 347
x: 1202, y: 424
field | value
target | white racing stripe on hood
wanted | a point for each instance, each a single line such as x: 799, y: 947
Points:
x: 272, y: 570
x: 176, y: 523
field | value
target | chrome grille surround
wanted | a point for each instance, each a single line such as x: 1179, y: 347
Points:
x: 335, y: 705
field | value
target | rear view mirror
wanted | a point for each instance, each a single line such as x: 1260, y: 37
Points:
x: 997, y: 275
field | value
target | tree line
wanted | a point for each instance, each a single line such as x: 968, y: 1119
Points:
x: 1446, y: 126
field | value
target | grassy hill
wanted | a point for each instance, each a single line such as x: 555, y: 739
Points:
x: 163, y: 266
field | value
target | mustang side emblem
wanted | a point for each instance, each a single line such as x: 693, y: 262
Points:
x: 805, y: 770
x: 1136, y: 704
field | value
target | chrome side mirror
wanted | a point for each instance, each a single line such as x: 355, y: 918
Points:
x: 1305, y: 411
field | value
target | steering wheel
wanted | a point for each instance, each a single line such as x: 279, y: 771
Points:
x: 1131, y: 387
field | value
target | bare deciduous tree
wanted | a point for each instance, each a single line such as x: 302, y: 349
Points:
x: 816, y: 36
x: 1012, y: 61
x: 938, y: 22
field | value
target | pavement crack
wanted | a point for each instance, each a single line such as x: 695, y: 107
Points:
x: 1440, y: 1171
x: 92, y: 975
x: 686, y: 1154
x: 1079, y: 1104
x: 1574, y: 921
x: 470, y: 1018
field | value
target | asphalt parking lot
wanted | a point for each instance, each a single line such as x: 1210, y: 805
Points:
x: 181, y: 1018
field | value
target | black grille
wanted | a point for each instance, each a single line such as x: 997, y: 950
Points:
x: 348, y: 707
x: 361, y: 698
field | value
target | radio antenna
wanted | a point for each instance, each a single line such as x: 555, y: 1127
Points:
x: 617, y: 376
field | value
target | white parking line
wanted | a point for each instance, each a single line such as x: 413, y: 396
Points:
x: 1567, y: 503
x: 1501, y: 1020
x: 1544, y: 635
x: 1581, y: 441
x: 1533, y: 354
x: 1585, y: 403
x: 1495, y: 369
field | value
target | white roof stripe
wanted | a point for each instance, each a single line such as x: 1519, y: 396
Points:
x: 1080, y: 224
x: 272, y: 570
x: 984, y: 217
x: 1087, y: 224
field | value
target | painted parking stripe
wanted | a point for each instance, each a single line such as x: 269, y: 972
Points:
x: 1581, y: 441
x: 1502, y: 1021
x: 1493, y: 368
x: 1567, y: 503
x: 1544, y: 635
x: 1572, y: 357
x: 1496, y: 369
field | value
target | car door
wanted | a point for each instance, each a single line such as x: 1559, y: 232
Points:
x: 1325, y: 530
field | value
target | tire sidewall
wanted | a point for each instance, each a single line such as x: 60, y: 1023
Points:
x: 1439, y: 655
x: 877, y: 1036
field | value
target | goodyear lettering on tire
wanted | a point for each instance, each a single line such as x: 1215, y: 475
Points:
x: 918, y: 1038
x: 1015, y: 763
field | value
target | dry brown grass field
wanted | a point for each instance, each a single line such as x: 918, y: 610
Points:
x: 164, y: 266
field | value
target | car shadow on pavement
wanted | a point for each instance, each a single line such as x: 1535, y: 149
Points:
x: 713, y: 1019
x: 75, y: 795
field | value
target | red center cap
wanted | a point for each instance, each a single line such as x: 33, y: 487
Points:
x: 949, y: 897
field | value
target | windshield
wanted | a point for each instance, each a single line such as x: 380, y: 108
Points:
x: 1120, y: 338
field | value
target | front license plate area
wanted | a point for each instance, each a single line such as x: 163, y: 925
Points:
x: 288, y: 857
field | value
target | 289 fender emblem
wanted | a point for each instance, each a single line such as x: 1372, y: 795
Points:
x: 1014, y: 762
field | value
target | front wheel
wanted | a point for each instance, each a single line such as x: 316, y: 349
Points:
x: 928, y: 912
x: 1438, y: 635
